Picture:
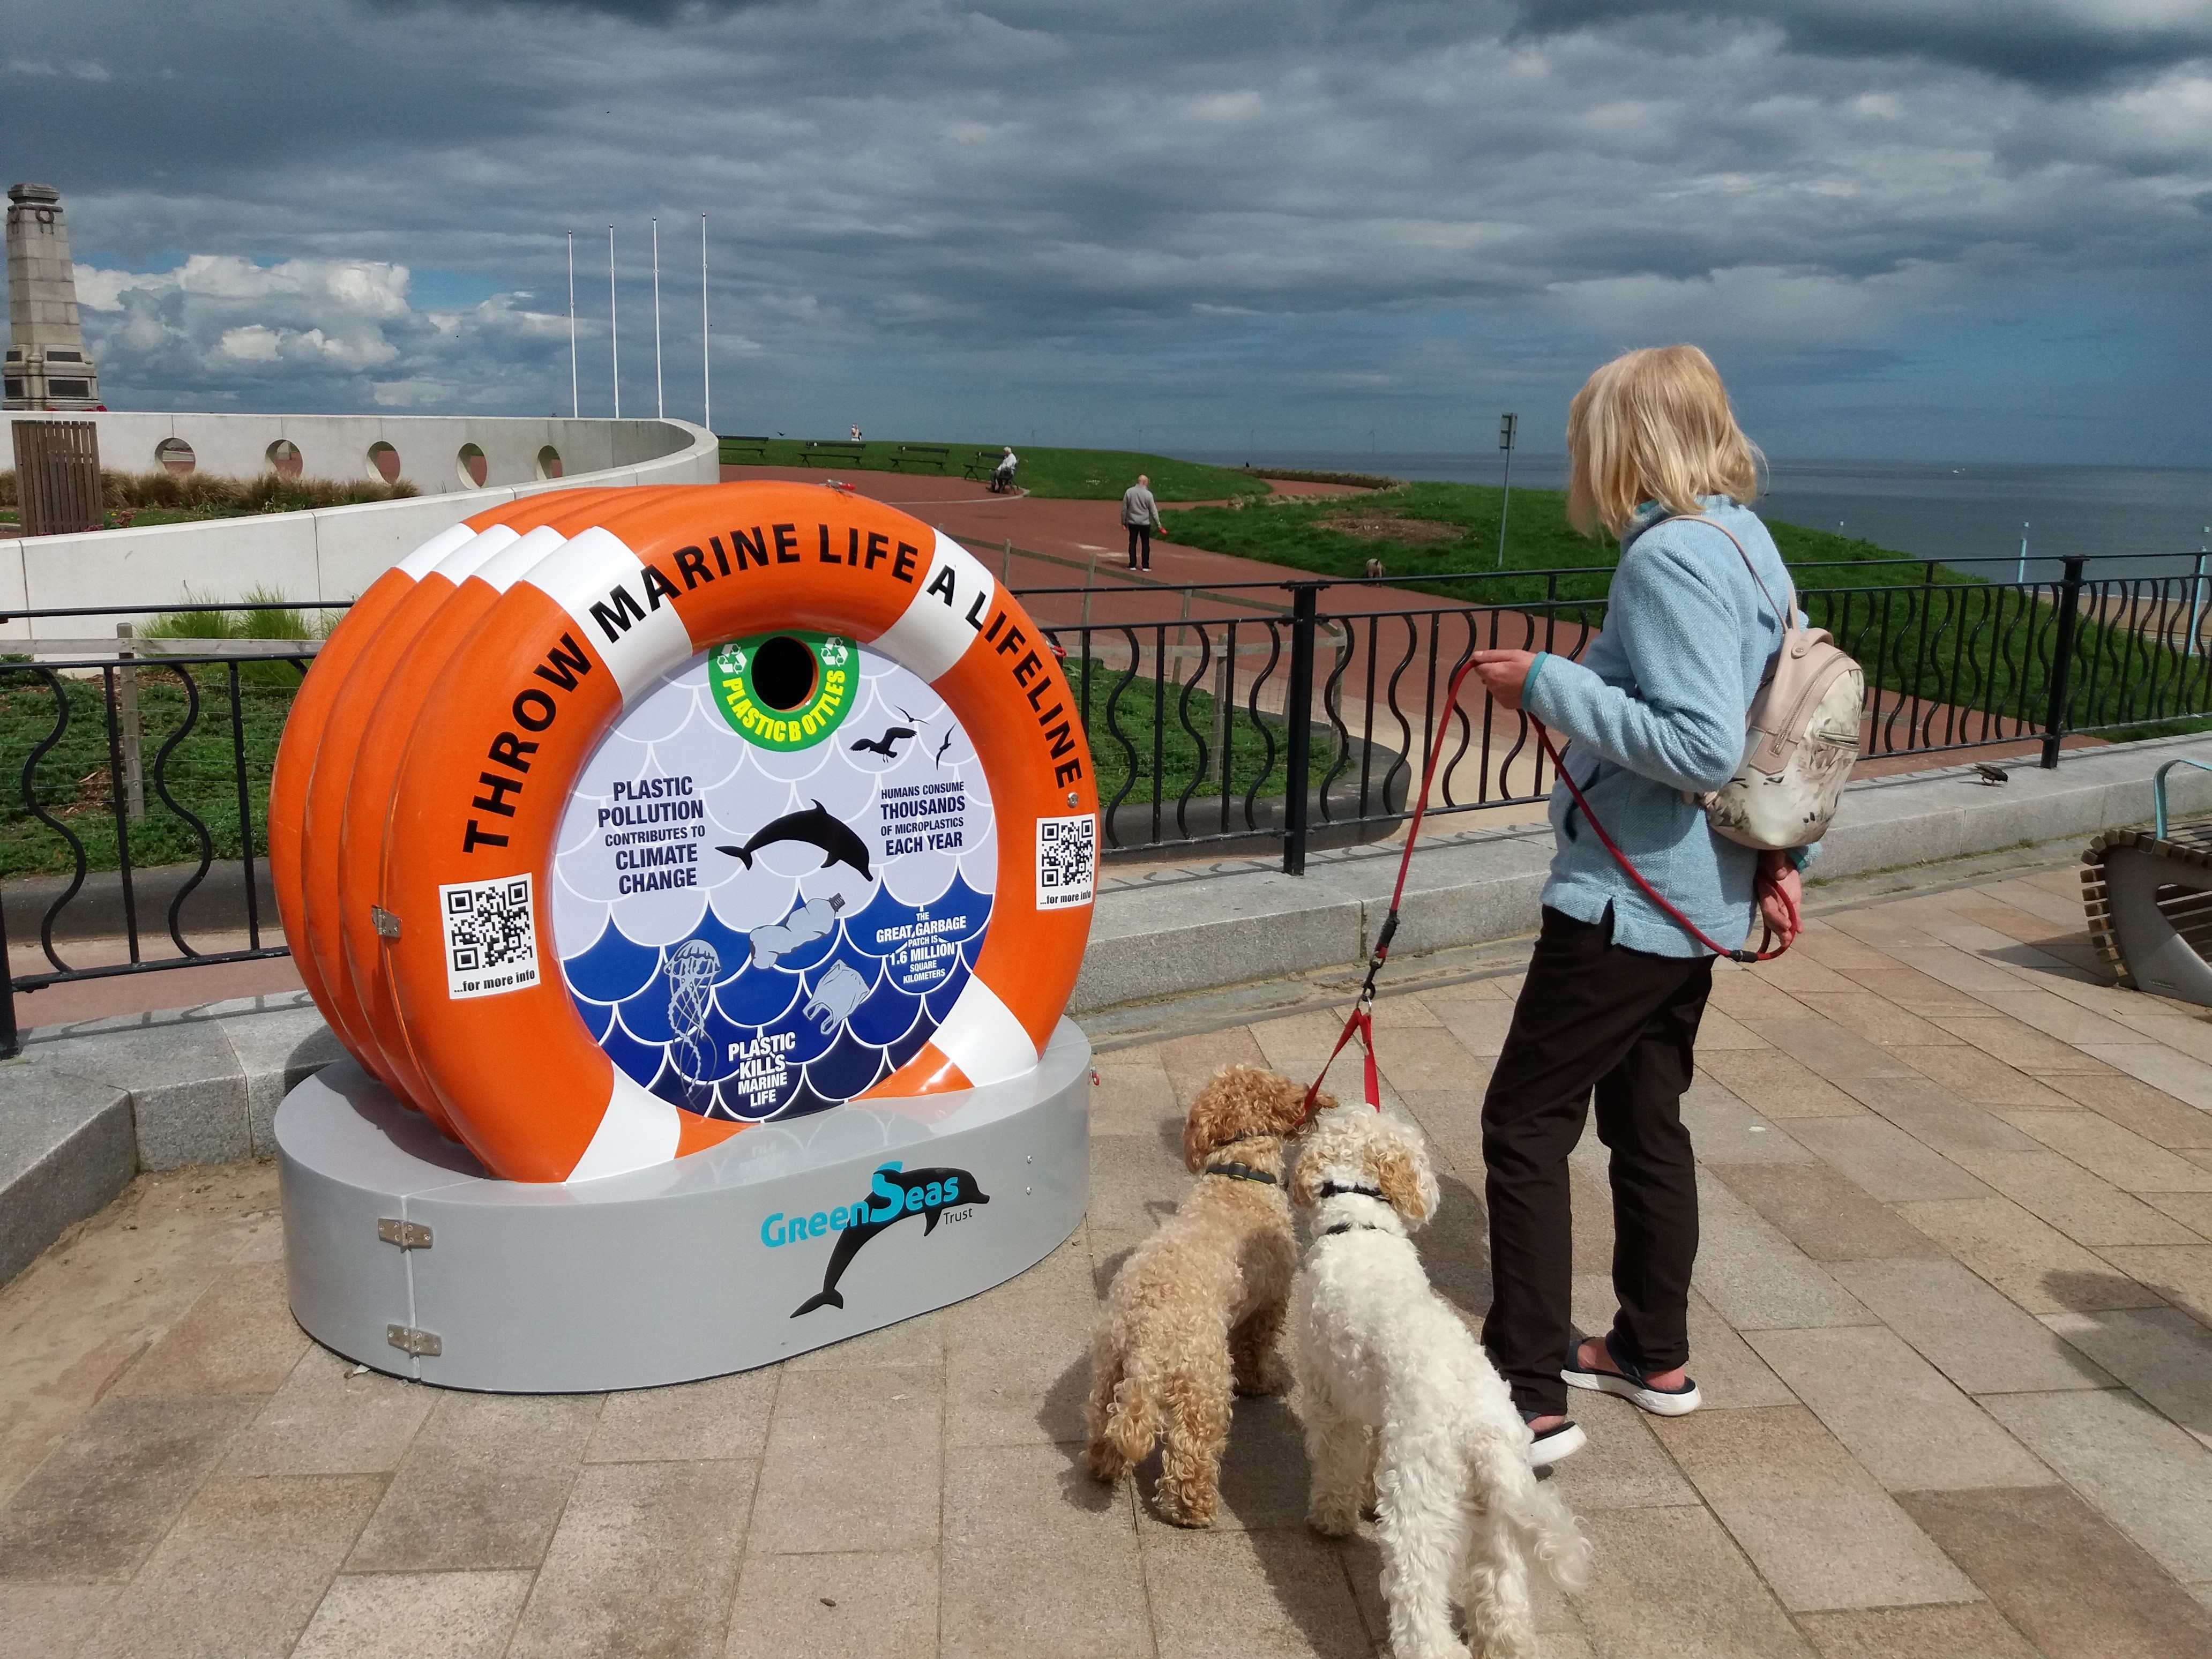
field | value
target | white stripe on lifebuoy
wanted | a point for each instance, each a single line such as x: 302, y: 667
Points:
x: 639, y: 1130
x: 579, y: 576
x: 934, y: 631
x: 981, y: 1035
x: 425, y: 559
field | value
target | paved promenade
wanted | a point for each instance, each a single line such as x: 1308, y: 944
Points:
x: 1952, y: 1326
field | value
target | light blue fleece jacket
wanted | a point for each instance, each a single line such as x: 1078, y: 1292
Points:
x: 1656, y: 707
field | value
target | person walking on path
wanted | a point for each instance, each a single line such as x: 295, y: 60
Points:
x: 1140, y: 515
x: 1615, y: 988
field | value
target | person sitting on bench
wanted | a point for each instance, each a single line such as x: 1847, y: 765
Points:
x: 1002, y: 476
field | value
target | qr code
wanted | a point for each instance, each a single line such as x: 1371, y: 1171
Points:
x: 491, y: 937
x: 1068, y: 861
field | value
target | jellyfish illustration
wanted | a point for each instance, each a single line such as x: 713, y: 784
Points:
x: 692, y: 970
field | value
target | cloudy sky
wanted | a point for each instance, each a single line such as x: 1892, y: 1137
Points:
x: 1954, y: 229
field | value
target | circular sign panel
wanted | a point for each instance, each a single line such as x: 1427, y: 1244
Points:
x: 775, y: 876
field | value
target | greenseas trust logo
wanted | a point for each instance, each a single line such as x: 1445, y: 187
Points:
x: 894, y: 1194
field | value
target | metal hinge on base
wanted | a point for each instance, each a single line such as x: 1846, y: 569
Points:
x: 407, y: 1235
x: 386, y: 924
x: 423, y: 1345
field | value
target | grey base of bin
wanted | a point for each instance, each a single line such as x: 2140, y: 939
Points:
x: 403, y: 1254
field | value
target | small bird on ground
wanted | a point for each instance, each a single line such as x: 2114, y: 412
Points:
x: 1990, y: 775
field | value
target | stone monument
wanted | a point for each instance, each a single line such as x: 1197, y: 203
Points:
x: 46, y: 367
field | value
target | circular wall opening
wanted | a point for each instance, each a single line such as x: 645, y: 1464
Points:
x: 471, y: 466
x: 175, y: 454
x: 548, y: 462
x: 384, y: 461
x: 285, y: 460
x: 783, y: 673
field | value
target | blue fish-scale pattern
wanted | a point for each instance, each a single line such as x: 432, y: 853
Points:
x: 760, y: 1055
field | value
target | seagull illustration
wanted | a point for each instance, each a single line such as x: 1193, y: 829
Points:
x: 942, y: 747
x: 883, y: 745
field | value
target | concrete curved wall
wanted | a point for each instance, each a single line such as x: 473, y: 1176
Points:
x: 332, y: 552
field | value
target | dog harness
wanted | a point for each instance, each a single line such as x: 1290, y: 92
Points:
x: 1241, y: 1172
x: 1335, y: 1189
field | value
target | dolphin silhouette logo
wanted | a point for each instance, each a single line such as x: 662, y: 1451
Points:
x: 816, y: 828
x: 894, y: 1194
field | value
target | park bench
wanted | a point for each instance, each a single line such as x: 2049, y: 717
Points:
x: 830, y: 449
x: 758, y: 445
x: 981, y: 464
x: 936, y: 455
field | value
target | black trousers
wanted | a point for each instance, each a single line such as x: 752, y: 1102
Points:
x: 1140, y: 534
x: 1592, y: 1017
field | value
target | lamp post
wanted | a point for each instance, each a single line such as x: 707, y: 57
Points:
x: 2020, y: 577
x: 575, y: 399
x: 660, y: 398
x: 706, y: 354
x: 614, y: 333
x: 1509, y: 429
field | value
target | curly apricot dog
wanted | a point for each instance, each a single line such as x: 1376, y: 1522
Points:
x: 1195, y: 1311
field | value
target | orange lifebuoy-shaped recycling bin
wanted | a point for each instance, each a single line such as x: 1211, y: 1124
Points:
x: 723, y: 807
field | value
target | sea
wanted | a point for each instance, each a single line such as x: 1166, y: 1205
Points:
x: 2130, y: 520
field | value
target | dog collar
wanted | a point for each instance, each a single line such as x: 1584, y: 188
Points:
x: 1241, y: 1172
x: 1352, y: 1227
x: 1331, y: 1189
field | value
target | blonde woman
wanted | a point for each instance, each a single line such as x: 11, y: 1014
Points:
x: 1616, y: 987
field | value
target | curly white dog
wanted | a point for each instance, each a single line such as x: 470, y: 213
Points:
x: 1395, y: 1385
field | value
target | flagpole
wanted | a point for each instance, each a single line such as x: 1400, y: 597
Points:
x: 575, y: 399
x: 705, y: 356
x: 659, y: 402
x: 614, y: 332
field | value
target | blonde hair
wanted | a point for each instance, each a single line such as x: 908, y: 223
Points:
x: 1654, y: 426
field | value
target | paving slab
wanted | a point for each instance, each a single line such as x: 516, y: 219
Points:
x: 2148, y: 1477
x: 1936, y: 1117
x: 415, y: 1615
x: 870, y: 1605
x: 1823, y: 1214
x: 645, y: 1560
x: 1984, y: 1342
x: 240, y: 1338
x: 48, y: 1621
x: 241, y: 1573
x: 2163, y: 1355
x: 1977, y: 1630
x: 331, y: 1416
x: 1777, y: 1086
x: 2083, y: 1205
x: 108, y: 1493
x: 1755, y: 1277
x: 1820, y: 1529
x: 482, y: 1484
x: 1635, y: 1607
x: 2154, y: 1115
x: 2068, y: 1580
x: 2031, y: 1261
x: 1900, y: 1416
x: 2186, y: 1078
x: 1885, y: 1162
x: 2181, y: 1274
x: 1015, y: 1518
x: 1222, y: 1594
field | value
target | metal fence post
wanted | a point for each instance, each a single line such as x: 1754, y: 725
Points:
x: 134, y: 759
x: 1298, y: 715
x: 11, y: 1039
x: 2061, y: 659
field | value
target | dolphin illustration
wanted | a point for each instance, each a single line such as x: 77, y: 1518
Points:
x: 817, y: 828
x: 891, y: 1194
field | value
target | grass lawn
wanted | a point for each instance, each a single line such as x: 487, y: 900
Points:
x: 72, y: 778
x: 1181, y: 724
x: 1964, y: 642
x: 1088, y: 475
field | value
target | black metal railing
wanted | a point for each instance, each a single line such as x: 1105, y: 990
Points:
x: 1272, y: 716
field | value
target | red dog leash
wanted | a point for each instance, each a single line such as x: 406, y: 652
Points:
x: 1361, y: 1021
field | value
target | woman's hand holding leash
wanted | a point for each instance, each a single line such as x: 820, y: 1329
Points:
x: 1504, y: 675
x: 1781, y: 893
